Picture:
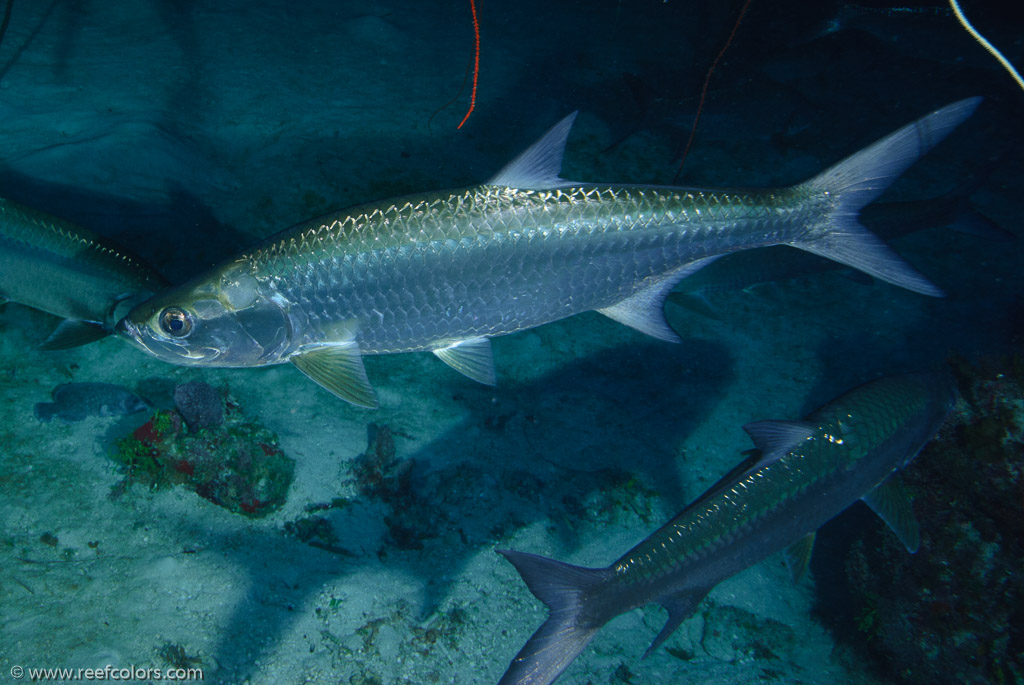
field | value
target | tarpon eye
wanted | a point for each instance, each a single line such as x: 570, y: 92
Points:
x: 175, y: 322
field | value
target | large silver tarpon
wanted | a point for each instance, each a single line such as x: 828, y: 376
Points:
x: 448, y: 270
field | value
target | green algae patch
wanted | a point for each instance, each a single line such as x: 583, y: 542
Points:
x: 237, y: 464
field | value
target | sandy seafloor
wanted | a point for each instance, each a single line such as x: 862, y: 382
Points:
x: 190, y: 130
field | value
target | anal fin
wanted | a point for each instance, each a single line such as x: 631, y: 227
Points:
x: 696, y: 302
x: 644, y: 310
x: 680, y: 606
x: 338, y: 367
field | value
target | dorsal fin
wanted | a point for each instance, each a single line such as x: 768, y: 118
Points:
x: 775, y: 439
x: 538, y: 166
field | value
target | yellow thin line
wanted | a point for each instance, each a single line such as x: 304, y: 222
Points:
x: 985, y: 44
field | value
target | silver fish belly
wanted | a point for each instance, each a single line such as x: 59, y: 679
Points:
x: 447, y: 271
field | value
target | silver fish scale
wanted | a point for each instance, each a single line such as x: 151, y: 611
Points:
x: 425, y: 271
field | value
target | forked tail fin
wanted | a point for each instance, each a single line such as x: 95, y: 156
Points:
x: 564, y: 589
x: 859, y: 179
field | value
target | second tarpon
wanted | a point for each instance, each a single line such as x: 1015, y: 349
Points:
x: 449, y: 270
x: 52, y: 265
x: 805, y: 473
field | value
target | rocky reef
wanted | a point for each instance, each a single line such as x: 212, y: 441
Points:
x: 954, y: 612
x: 207, y: 444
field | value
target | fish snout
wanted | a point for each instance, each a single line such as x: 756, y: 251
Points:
x: 126, y: 328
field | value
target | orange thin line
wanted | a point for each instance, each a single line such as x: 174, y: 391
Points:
x: 476, y: 62
x: 704, y: 89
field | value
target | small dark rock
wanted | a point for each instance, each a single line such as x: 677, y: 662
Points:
x: 199, y: 404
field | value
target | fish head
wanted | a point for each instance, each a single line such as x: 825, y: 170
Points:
x: 224, y: 318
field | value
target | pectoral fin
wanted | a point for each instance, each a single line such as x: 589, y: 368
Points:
x: 891, y: 501
x: 798, y: 556
x: 472, y: 358
x: 73, y: 333
x: 338, y: 367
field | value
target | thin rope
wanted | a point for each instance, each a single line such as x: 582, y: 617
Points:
x: 704, y: 89
x: 476, y: 63
x: 985, y: 44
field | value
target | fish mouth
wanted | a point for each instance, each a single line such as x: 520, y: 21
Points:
x: 130, y: 332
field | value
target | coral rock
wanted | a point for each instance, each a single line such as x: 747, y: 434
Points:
x: 199, y: 404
